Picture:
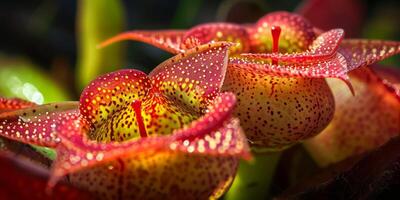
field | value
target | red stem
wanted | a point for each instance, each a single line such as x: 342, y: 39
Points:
x: 137, y: 107
x: 276, y: 32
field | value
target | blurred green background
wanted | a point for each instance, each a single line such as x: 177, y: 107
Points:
x: 48, y: 47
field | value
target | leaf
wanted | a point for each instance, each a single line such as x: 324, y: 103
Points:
x: 23, y: 80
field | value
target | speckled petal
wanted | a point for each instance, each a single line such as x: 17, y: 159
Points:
x: 275, y: 111
x: 37, y: 125
x: 168, y: 40
x: 8, y: 104
x: 228, y: 32
x: 202, y: 158
x: 111, y: 92
x: 297, y: 33
x: 193, y: 77
x: 162, y: 175
x: 324, y: 47
x: 359, y: 52
x: 361, y: 122
x: 324, y: 68
x: 215, y: 133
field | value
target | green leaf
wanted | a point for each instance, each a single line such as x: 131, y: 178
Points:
x: 22, y: 79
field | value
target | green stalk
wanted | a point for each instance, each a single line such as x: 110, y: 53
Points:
x: 254, y: 178
x: 97, y: 21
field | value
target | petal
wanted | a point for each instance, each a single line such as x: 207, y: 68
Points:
x: 8, y: 104
x: 323, y: 47
x: 21, y: 179
x: 194, y: 76
x: 390, y: 76
x: 361, y: 122
x: 333, y: 67
x: 202, y: 158
x: 149, y: 176
x: 37, y: 124
x: 277, y: 111
x: 111, y: 92
x: 168, y: 40
x: 215, y: 133
x: 228, y: 32
x: 297, y: 33
x: 359, y: 52
x: 218, y: 116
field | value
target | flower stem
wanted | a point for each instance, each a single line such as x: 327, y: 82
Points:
x: 253, y: 179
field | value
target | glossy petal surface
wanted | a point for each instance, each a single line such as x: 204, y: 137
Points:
x: 361, y: 122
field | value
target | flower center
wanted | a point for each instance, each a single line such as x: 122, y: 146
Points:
x: 276, y: 32
x: 137, y: 107
x: 149, y: 116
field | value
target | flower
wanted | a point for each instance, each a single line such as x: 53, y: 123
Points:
x: 167, y: 135
x: 277, y: 70
x: 362, y: 122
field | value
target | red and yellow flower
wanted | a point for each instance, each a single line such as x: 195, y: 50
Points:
x: 277, y: 70
x: 167, y: 135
